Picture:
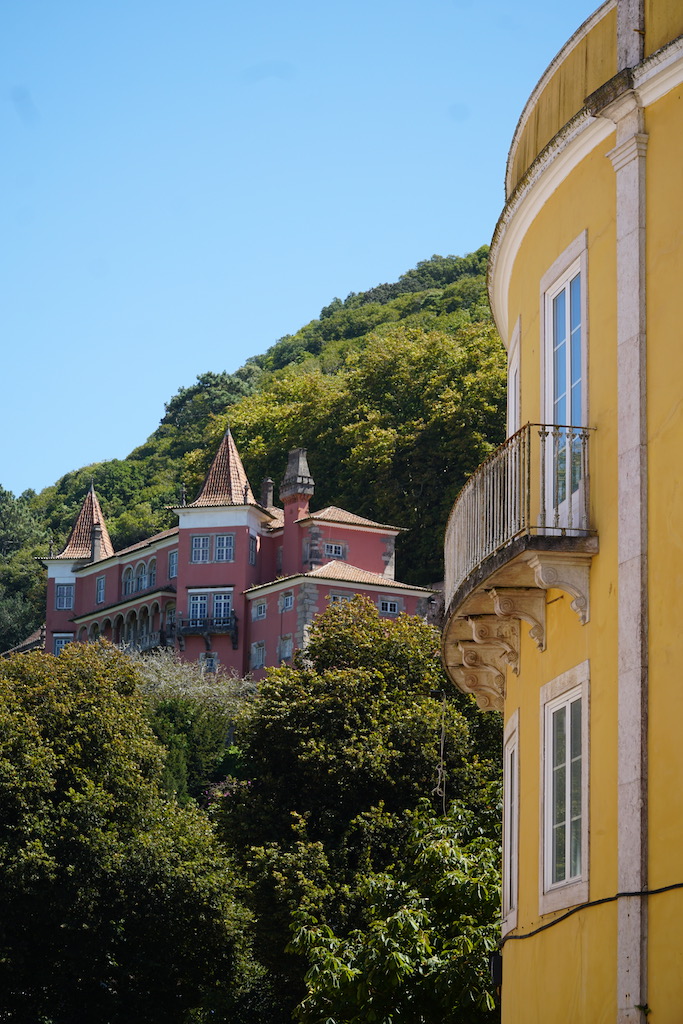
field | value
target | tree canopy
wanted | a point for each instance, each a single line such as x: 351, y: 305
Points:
x: 117, y: 904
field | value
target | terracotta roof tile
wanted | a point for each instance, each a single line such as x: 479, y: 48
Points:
x: 79, y: 544
x: 36, y: 639
x: 278, y: 520
x: 226, y: 482
x: 333, y: 514
x: 149, y: 540
x: 345, y: 573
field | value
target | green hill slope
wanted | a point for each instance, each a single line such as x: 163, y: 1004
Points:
x: 397, y: 392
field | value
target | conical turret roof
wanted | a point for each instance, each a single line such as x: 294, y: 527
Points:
x: 226, y: 482
x: 89, y: 523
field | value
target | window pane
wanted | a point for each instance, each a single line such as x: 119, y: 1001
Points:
x: 559, y: 872
x: 575, y: 712
x: 575, y: 848
x: 559, y: 743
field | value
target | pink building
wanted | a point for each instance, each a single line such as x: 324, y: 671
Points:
x: 236, y: 584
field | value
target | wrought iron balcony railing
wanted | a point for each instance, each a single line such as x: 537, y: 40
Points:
x: 206, y: 624
x: 534, y: 483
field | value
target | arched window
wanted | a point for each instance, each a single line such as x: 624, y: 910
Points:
x: 152, y: 573
x: 128, y: 582
x: 141, y: 577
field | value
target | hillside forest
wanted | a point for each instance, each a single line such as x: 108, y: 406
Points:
x: 324, y: 847
x: 398, y: 393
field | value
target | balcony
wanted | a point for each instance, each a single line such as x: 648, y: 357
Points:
x: 149, y: 641
x: 207, y: 627
x: 520, y: 525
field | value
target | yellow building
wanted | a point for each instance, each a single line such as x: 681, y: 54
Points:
x: 564, y: 552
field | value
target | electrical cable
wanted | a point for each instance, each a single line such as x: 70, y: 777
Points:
x: 586, y: 906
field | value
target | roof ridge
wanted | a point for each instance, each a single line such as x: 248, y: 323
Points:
x: 226, y: 482
x: 82, y: 541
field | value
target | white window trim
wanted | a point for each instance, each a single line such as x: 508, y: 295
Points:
x: 173, y: 564
x: 71, y: 592
x: 574, y: 257
x: 201, y: 548
x: 284, y: 642
x: 332, y: 544
x: 564, y: 894
x: 68, y: 638
x: 259, y: 649
x: 258, y: 605
x: 100, y: 588
x: 388, y: 610
x: 510, y: 824
x: 227, y: 547
x: 514, y: 404
x: 287, y: 602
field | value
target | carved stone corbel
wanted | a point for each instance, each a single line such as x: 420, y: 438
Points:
x: 485, y: 683
x: 525, y: 603
x: 501, y: 635
x: 568, y: 574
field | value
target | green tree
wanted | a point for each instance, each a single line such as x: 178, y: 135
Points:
x: 428, y: 926
x: 339, y: 750
x: 117, y: 904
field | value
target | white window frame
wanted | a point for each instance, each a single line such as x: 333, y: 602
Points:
x: 286, y: 648
x: 260, y: 609
x: 209, y: 661
x: 287, y: 602
x: 197, y: 600
x: 573, y: 261
x: 514, y: 404
x: 258, y: 655
x: 100, y: 583
x: 200, y: 551
x: 60, y: 641
x: 64, y: 596
x: 340, y: 598
x: 392, y: 607
x: 253, y: 547
x: 223, y: 597
x: 333, y: 549
x: 224, y: 547
x: 510, y: 822
x: 140, y: 577
x: 172, y: 564
x: 558, y: 693
x: 128, y: 580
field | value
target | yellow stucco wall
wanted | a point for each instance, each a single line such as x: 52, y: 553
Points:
x: 664, y: 191
x: 590, y: 63
x: 663, y: 22
x: 585, y: 988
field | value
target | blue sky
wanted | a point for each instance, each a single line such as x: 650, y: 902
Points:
x: 182, y: 183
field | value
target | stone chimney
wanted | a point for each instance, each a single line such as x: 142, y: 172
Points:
x: 297, y: 482
x: 267, y: 488
x: 296, y: 490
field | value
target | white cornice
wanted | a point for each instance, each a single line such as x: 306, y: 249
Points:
x: 543, y: 81
x: 557, y: 161
x: 654, y: 78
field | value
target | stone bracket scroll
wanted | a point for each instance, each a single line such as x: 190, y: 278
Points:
x: 568, y: 574
x: 526, y: 604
